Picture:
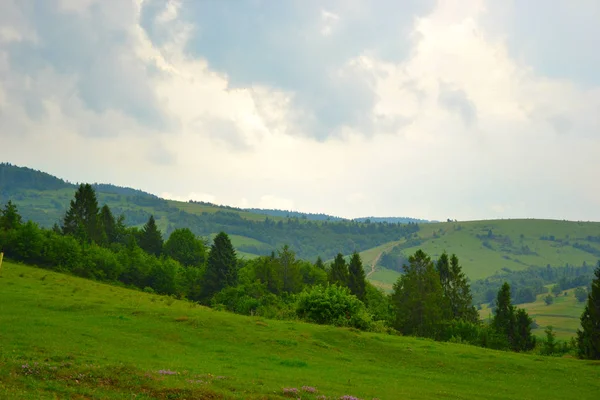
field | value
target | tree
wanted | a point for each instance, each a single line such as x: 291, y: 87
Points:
x: 513, y: 324
x: 108, y: 225
x: 356, y: 278
x: 151, y: 240
x: 185, y: 247
x: 320, y: 264
x: 10, y: 217
x: 290, y: 270
x: 81, y: 219
x: 418, y: 298
x: 581, y: 294
x: 456, y: 289
x: 523, y: 340
x: 550, y: 343
x: 588, y: 337
x: 221, y: 267
x: 338, y: 274
x: 556, y: 290
x: 504, y: 314
x: 549, y: 299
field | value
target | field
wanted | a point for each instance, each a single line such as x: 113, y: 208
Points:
x: 563, y: 315
x: 485, y: 247
x: 65, y: 337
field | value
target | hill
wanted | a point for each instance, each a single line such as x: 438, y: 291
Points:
x: 67, y: 337
x: 485, y: 248
x: 489, y: 247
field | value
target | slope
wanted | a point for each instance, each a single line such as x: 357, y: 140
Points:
x: 486, y: 247
x: 69, y: 338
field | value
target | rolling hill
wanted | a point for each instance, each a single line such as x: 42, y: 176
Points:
x: 483, y: 247
x: 66, y: 337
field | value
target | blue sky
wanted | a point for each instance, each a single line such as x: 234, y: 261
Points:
x: 463, y: 109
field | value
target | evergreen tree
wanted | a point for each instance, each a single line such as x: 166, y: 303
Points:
x: 221, y: 267
x: 504, y: 314
x: 457, y: 291
x: 81, y: 220
x: 10, y: 217
x: 290, y: 270
x: 338, y: 273
x: 418, y: 298
x: 151, y: 240
x: 186, y: 248
x: 319, y: 263
x: 108, y: 225
x: 523, y: 339
x: 356, y: 278
x: 588, y: 337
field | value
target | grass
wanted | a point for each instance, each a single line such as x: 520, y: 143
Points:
x: 479, y: 261
x: 65, y: 337
x: 563, y: 315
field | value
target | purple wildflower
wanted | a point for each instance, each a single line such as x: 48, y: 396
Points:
x: 290, y: 391
x: 167, y: 372
x: 309, y: 389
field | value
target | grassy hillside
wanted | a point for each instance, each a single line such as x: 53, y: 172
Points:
x: 486, y: 247
x: 64, y: 337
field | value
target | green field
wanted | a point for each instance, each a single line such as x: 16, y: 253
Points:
x: 563, y: 315
x: 515, y: 244
x: 65, y: 337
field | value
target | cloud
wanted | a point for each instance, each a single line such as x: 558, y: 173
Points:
x: 426, y: 109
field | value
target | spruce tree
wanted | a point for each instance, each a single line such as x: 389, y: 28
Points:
x: 81, y: 219
x: 108, y: 225
x: 356, y: 277
x: 523, y: 340
x: 504, y: 314
x: 10, y: 217
x: 459, y: 294
x: 151, y: 240
x: 221, y: 267
x: 588, y: 337
x: 319, y: 263
x: 418, y: 298
x: 290, y: 270
x: 338, y: 274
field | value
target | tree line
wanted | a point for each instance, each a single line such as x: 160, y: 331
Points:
x: 431, y: 299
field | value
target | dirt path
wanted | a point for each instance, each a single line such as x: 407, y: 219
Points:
x: 374, y: 264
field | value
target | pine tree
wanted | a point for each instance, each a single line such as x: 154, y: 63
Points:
x: 504, y: 314
x: 290, y: 270
x: 588, y: 337
x: 81, y: 220
x: 356, y: 278
x: 108, y: 225
x: 319, y: 263
x: 10, y: 217
x: 523, y: 340
x: 418, y: 298
x: 221, y: 267
x: 459, y: 294
x: 338, y: 274
x: 151, y: 240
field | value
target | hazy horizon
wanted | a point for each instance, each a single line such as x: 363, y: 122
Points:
x: 466, y: 110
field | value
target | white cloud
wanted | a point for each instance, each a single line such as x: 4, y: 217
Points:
x: 459, y: 128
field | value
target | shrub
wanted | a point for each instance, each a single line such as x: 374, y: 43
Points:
x: 333, y: 305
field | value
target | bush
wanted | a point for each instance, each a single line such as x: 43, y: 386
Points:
x: 332, y: 305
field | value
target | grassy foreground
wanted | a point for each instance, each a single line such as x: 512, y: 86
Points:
x: 68, y: 338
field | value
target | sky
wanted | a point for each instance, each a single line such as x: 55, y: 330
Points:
x: 461, y: 109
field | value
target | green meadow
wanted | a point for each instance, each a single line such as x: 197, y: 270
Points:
x: 68, y: 338
x: 515, y: 244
